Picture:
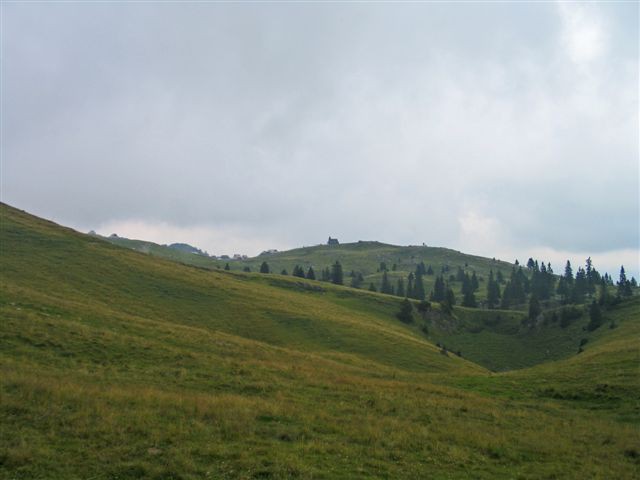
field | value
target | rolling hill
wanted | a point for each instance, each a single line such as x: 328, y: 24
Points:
x: 364, y: 257
x: 115, y: 364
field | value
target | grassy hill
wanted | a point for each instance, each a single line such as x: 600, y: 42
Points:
x: 119, y: 365
x: 363, y: 257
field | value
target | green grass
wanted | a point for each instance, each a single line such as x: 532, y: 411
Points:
x: 364, y: 257
x: 119, y: 365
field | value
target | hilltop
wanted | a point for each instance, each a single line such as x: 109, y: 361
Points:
x: 364, y: 257
x: 116, y: 364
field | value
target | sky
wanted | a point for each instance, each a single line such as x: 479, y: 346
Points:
x: 507, y: 130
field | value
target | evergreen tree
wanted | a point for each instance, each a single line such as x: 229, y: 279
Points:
x: 264, y: 268
x: 438, y: 294
x: 311, y: 275
x: 624, y: 285
x: 246, y: 269
x: 604, y: 298
x: 499, y: 277
x: 400, y: 288
x: 227, y: 267
x: 418, y: 287
x: 326, y: 275
x: 410, y: 279
x: 298, y: 272
x: 460, y: 275
x: 429, y: 270
x: 580, y: 286
x: 564, y: 290
x: 405, y: 314
x: 337, y: 276
x: 568, y: 273
x: 372, y: 287
x: 284, y: 272
x: 493, y: 291
x: 469, y: 299
x: 534, y: 307
x: 474, y: 282
x: 386, y: 286
x: 449, y: 300
x: 357, y: 280
x: 530, y: 263
x: 595, y: 316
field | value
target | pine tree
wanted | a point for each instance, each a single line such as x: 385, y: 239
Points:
x: 474, y: 282
x: 264, y: 268
x: 246, y: 269
x: 418, y: 287
x: 410, y: 279
x: 493, y: 291
x: 469, y: 299
x: 595, y: 316
x: 311, y: 275
x: 372, y: 287
x: 227, y: 267
x: 386, y: 286
x: 429, y: 270
x: 449, y: 300
x: 568, y: 273
x: 326, y: 275
x: 624, y: 285
x: 337, y: 276
x: 400, y: 288
x: 534, y: 307
x: 284, y: 272
x: 438, y: 294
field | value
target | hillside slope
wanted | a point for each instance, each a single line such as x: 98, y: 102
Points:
x: 362, y: 257
x: 120, y: 365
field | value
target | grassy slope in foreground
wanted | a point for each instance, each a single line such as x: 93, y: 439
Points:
x: 117, y: 365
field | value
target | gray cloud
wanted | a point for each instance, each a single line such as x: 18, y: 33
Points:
x: 488, y: 128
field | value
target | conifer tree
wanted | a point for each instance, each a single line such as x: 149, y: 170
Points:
x: 438, y: 293
x: 386, y: 286
x: 400, y: 288
x: 311, y: 275
x: 449, y: 300
x: 284, y: 272
x: 624, y: 285
x: 474, y: 282
x: 493, y: 291
x: 337, y: 276
x: 264, y: 268
x: 410, y: 279
x: 227, y: 267
x: 534, y: 307
x: 595, y: 316
x: 372, y: 287
x: 418, y: 287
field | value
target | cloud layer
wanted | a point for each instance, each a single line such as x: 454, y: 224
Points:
x: 240, y: 127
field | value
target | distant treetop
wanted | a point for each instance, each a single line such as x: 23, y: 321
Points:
x: 333, y: 241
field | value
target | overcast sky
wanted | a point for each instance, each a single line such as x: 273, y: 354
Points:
x: 507, y: 130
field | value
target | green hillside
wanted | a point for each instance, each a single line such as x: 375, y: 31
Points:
x: 362, y: 257
x: 120, y: 365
